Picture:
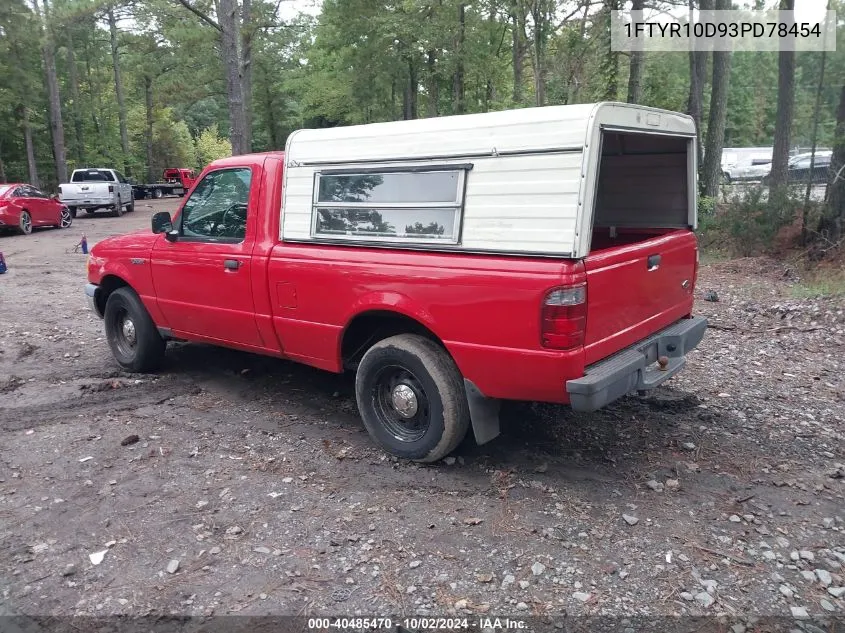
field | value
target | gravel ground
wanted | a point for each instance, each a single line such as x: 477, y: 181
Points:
x: 235, y: 484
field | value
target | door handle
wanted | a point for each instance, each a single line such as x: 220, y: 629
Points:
x: 653, y: 262
x: 231, y: 264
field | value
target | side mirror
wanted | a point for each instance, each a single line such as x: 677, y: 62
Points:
x: 162, y: 222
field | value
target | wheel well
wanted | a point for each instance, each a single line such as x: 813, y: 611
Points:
x: 369, y: 328
x: 108, y: 285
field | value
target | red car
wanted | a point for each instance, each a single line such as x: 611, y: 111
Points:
x: 23, y: 207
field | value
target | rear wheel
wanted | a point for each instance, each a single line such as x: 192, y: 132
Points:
x: 72, y: 211
x: 117, y: 210
x: 25, y: 223
x: 65, y: 219
x: 131, y: 206
x: 133, y: 338
x: 411, y: 398
x: 157, y: 193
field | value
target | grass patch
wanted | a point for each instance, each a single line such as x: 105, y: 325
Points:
x: 713, y: 255
x: 820, y: 284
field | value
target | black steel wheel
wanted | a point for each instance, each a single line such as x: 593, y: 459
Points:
x: 133, y: 338
x: 401, y: 403
x: 411, y: 398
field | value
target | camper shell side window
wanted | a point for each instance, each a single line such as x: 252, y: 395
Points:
x: 407, y: 204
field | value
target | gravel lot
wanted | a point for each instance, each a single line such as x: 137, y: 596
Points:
x: 253, y: 488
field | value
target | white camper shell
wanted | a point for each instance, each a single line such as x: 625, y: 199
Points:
x: 533, y: 181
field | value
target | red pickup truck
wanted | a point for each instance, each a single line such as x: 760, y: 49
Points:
x: 542, y: 254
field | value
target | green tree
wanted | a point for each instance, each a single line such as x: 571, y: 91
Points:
x: 210, y: 146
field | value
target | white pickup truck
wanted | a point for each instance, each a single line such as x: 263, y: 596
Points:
x: 97, y: 188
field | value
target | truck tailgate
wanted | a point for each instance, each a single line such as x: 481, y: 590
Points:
x: 83, y: 191
x: 635, y: 289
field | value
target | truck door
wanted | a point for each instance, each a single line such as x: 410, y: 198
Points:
x: 203, y: 278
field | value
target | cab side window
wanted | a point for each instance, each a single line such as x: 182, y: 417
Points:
x: 217, y: 208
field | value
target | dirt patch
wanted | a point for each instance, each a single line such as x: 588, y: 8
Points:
x: 720, y: 493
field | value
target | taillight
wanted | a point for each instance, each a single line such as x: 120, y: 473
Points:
x: 111, y: 188
x: 564, y: 317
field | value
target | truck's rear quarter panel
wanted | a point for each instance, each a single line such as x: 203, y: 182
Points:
x: 486, y: 309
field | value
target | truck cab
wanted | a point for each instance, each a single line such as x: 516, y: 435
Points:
x: 544, y: 254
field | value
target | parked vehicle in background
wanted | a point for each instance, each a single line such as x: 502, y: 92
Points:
x: 542, y: 254
x: 23, y: 207
x: 174, y: 182
x: 798, y: 168
x: 743, y: 163
x: 97, y: 188
x: 758, y: 172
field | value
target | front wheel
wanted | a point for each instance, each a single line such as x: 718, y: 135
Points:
x: 157, y: 193
x: 411, y: 398
x: 133, y: 338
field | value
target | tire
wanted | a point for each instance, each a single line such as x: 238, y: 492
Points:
x: 130, y: 208
x: 65, y: 219
x: 72, y: 212
x: 133, y: 338
x: 25, y: 223
x: 436, y: 416
x: 157, y: 193
x: 726, y: 178
x: 117, y: 210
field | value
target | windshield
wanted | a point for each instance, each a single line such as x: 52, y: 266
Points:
x: 4, y: 189
x: 92, y: 175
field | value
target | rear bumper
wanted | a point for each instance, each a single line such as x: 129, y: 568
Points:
x: 634, y: 368
x: 90, y: 203
x: 7, y: 218
x: 91, y: 291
